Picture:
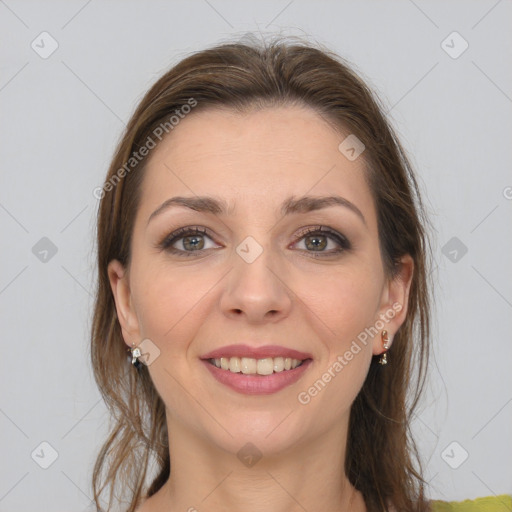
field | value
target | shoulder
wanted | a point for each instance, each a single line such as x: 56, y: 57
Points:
x: 501, y: 503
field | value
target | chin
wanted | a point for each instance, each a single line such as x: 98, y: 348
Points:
x: 260, y: 432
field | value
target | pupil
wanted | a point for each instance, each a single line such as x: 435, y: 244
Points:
x: 316, y: 239
x: 197, y: 243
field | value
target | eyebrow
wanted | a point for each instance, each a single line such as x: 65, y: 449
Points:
x: 217, y: 206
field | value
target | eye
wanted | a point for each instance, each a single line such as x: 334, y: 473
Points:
x: 188, y: 240
x: 317, y: 239
x: 191, y: 239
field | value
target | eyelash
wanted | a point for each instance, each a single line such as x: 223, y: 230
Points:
x: 168, y: 241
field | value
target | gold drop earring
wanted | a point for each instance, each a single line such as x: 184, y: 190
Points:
x: 385, y: 339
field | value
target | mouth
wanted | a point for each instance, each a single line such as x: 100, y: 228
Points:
x: 251, y: 376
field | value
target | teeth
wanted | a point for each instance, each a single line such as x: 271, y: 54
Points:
x: 265, y: 366
x: 250, y: 366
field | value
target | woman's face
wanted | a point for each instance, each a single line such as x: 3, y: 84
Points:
x: 253, y: 276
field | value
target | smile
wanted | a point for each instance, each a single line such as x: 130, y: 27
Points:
x: 257, y: 376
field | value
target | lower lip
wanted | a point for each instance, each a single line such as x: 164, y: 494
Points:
x: 258, y: 384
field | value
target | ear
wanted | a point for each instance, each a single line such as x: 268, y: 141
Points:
x: 394, y: 301
x: 119, y: 282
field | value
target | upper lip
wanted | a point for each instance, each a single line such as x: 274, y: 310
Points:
x: 256, y: 352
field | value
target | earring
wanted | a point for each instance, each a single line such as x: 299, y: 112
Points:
x: 384, y: 359
x: 136, y: 353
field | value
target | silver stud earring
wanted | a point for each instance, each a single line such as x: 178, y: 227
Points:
x: 136, y: 353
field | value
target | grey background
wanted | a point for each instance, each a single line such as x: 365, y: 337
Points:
x: 61, y: 117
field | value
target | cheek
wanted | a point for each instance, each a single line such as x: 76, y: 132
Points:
x: 168, y: 301
x: 345, y: 301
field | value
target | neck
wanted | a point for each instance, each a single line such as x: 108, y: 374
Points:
x: 309, y: 476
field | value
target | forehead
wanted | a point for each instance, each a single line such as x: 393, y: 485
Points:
x: 259, y: 157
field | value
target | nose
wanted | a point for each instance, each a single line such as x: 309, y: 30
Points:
x: 257, y: 290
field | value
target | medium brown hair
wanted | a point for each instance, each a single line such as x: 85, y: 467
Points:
x: 382, y: 460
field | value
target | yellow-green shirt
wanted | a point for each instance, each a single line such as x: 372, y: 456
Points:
x: 501, y: 503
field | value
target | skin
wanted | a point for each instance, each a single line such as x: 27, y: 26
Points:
x: 188, y: 306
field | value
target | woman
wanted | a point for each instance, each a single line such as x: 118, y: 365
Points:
x: 263, y: 259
